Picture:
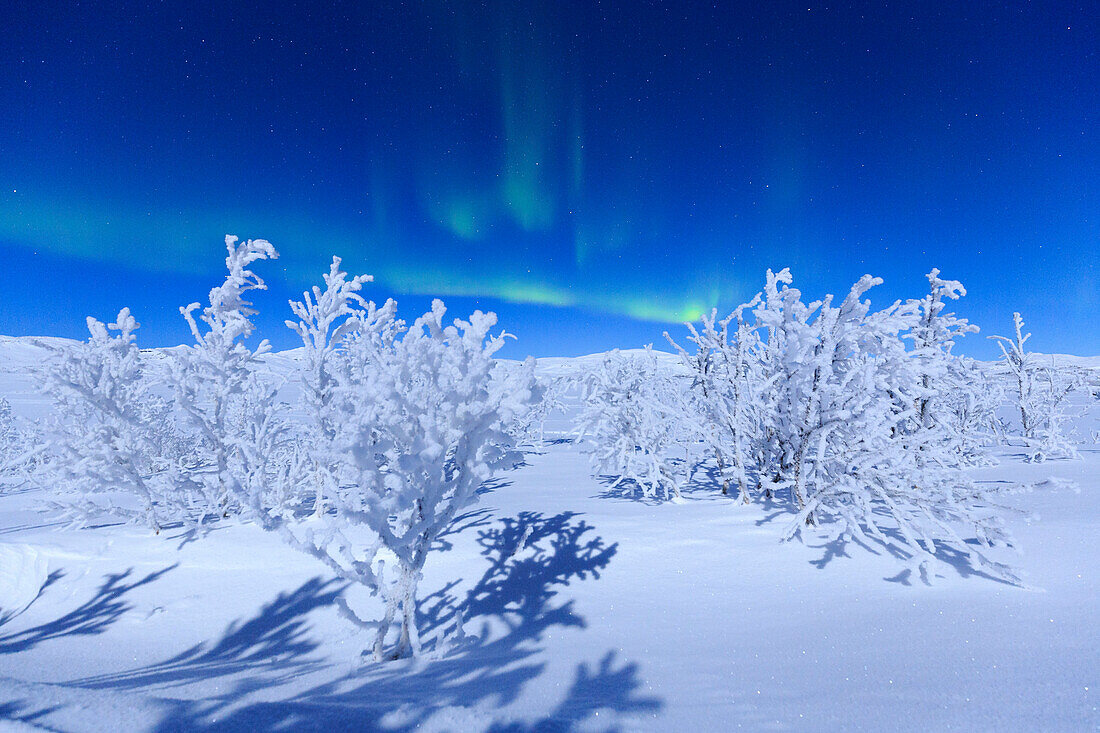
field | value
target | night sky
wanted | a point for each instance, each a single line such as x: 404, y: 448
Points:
x: 592, y: 171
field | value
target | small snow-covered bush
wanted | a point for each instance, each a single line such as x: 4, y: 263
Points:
x: 956, y: 400
x: 637, y: 425
x: 822, y: 404
x: 326, y: 319
x: 528, y: 428
x: 403, y: 427
x: 427, y: 431
x: 112, y: 437
x: 726, y: 390
x: 212, y: 376
x: 859, y: 437
x: 969, y: 400
x: 1040, y: 394
x: 418, y: 428
x: 933, y: 338
x: 21, y: 446
x: 269, y: 460
x: 9, y: 433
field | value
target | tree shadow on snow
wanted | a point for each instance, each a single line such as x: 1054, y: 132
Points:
x: 493, y: 484
x: 272, y: 647
x: 16, y: 528
x: 781, y: 508
x: 51, y: 578
x: 514, y: 604
x: 625, y: 489
x: 894, y: 546
x: 92, y: 617
x: 462, y: 523
x: 704, y: 482
x: 18, y: 712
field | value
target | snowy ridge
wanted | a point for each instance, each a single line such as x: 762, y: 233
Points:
x: 17, y: 353
x: 565, y: 366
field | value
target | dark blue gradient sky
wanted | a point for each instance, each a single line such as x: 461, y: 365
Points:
x: 591, y: 171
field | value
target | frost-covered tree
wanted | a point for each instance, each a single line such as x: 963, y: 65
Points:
x: 1095, y: 391
x: 830, y: 352
x: 112, y: 436
x: 788, y: 342
x: 9, y: 433
x: 528, y: 428
x: 857, y: 454
x: 823, y: 405
x: 637, y: 425
x: 12, y: 445
x: 933, y: 340
x: 269, y: 462
x: 22, y: 447
x: 1041, y: 391
x: 727, y: 385
x: 968, y: 400
x: 1054, y: 435
x: 216, y: 371
x: 956, y: 401
x: 429, y: 432
x: 417, y: 428
x: 1019, y: 364
x: 326, y: 318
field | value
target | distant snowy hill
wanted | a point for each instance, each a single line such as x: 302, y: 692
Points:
x: 23, y: 351
x: 1086, y: 362
x: 563, y: 366
x: 18, y: 354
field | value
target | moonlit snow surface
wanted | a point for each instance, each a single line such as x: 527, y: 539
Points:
x: 582, y: 610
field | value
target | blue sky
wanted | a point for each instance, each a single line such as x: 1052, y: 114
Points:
x: 594, y: 172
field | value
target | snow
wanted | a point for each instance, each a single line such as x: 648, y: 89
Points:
x: 557, y: 366
x: 23, y: 574
x: 583, y: 610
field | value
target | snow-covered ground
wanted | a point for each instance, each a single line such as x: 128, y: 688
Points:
x: 582, y: 610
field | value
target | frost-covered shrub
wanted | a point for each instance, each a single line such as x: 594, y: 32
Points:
x: 9, y: 433
x: 969, y: 400
x: 405, y: 426
x: 726, y: 390
x: 269, y: 457
x: 22, y: 447
x: 419, y: 428
x: 428, y: 431
x: 788, y: 364
x: 859, y: 438
x: 637, y: 425
x: 214, y: 374
x: 528, y: 428
x: 112, y: 437
x: 1040, y: 394
x: 326, y: 319
x: 1094, y: 392
x: 841, y: 376
x: 933, y: 338
x: 12, y: 445
x: 956, y: 400
x: 821, y: 404
x: 1053, y: 435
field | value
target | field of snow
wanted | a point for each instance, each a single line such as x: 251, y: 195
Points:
x: 581, y: 610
